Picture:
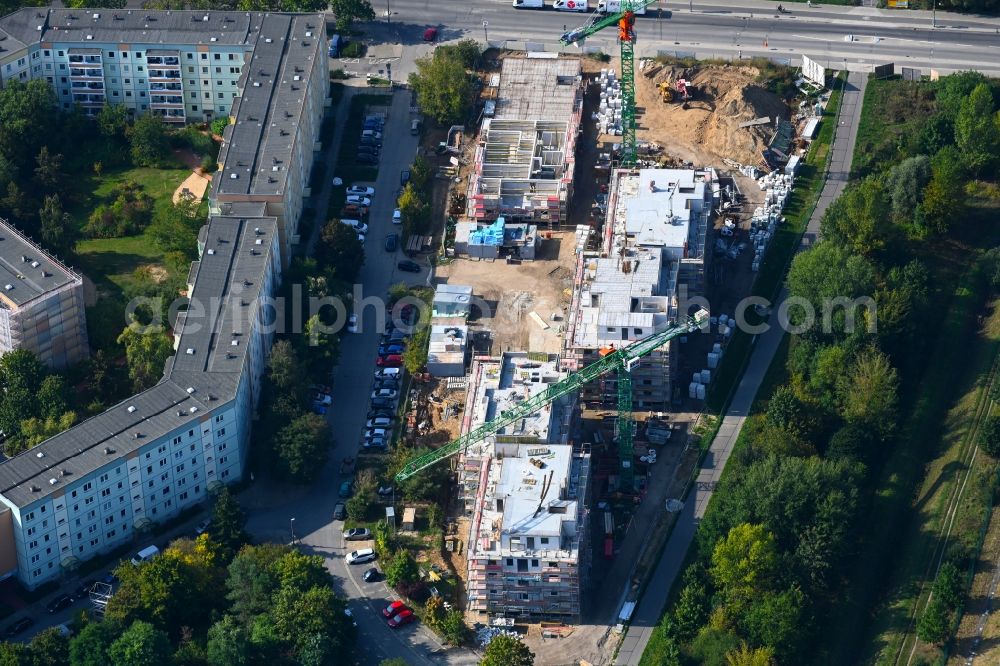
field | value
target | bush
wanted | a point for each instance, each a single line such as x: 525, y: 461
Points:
x: 129, y: 214
x: 352, y: 50
x: 338, y: 75
x: 219, y: 125
x: 989, y: 436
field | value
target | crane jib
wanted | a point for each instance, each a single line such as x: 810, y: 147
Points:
x: 619, y: 358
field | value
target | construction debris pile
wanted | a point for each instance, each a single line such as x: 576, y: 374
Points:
x: 704, y: 113
x: 609, y: 115
x: 777, y: 189
x: 487, y: 634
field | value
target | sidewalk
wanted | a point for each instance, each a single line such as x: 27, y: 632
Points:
x: 647, y: 613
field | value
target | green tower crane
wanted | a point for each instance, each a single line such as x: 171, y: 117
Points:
x: 625, y: 20
x: 612, y: 359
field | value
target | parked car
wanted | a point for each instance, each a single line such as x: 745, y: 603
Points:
x: 61, y: 602
x: 357, y: 225
x: 358, y: 534
x: 359, y: 200
x: 393, y: 609
x: 369, y: 141
x: 385, y: 393
x: 345, y: 490
x: 376, y: 443
x: 18, y: 627
x: 397, y: 217
x: 361, y: 238
x: 371, y: 134
x: 398, y: 335
x: 405, y: 617
x: 391, y: 361
x: 352, y: 324
x: 386, y: 350
x: 408, y: 266
x: 145, y: 555
x: 385, y: 491
x: 324, y: 399
x: 430, y: 34
x: 379, y: 422
x: 371, y: 575
x: 339, y: 511
x: 365, y: 158
x: 387, y: 382
x: 375, y: 413
x: 202, y: 527
x: 361, y: 190
x: 388, y: 372
x: 384, y: 403
x: 373, y: 124
x: 352, y: 211
x: 376, y: 433
x: 391, y: 242
x: 83, y: 589
x: 362, y: 556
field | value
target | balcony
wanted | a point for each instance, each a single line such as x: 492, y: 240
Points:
x: 164, y: 74
x: 163, y: 60
x: 87, y: 85
x: 155, y: 87
x: 85, y: 59
x: 166, y: 100
x: 88, y: 100
x: 169, y: 115
x: 86, y: 73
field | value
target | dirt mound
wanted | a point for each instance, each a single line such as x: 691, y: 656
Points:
x: 723, y: 97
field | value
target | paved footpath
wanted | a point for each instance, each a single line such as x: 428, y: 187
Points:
x: 647, y: 613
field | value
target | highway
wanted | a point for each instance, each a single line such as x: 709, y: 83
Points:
x: 716, y: 29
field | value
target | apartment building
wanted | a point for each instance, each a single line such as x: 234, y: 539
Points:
x: 41, y: 303
x: 526, y: 155
x: 651, y: 258
x: 525, y: 490
x: 89, y: 489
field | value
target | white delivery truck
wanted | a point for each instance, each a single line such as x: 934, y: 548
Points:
x: 528, y: 4
x: 615, y: 6
x: 570, y: 5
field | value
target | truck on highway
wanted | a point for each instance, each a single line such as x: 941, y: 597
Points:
x: 570, y: 5
x: 615, y: 6
x: 528, y: 4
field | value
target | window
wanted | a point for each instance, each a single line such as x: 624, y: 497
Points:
x: 124, y: 54
x: 194, y: 107
x: 193, y: 96
x: 88, y: 501
x: 190, y: 69
x: 138, y: 54
x: 218, y: 70
x: 204, y: 83
x: 111, y: 54
x: 29, y: 516
x: 47, y: 53
x: 61, y: 54
x: 166, y: 491
x: 204, y: 70
x: 140, y: 69
x: 220, y: 95
x: 208, y: 95
x: 128, y: 93
x: 149, y: 469
x: 87, y: 486
x: 189, y: 55
x: 221, y: 432
x: 204, y: 56
x: 105, y: 492
x: 164, y: 476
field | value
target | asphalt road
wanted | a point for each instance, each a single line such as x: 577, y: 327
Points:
x: 725, y: 30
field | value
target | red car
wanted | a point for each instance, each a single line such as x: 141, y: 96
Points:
x: 430, y: 34
x: 405, y: 617
x: 394, y: 608
x: 390, y: 361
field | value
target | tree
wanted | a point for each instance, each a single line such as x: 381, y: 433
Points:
x: 851, y: 442
x: 148, y: 140
x: 944, y: 196
x: 711, y: 646
x: 21, y: 369
x: 690, y: 611
x: 35, y: 431
x: 402, y: 569
x: 228, y: 523
x: 253, y: 579
x: 28, y: 113
x: 904, y: 184
x: 427, y: 485
x: 826, y: 272
x: 868, y: 395
x: 976, y: 134
x: 90, y: 647
x: 141, y: 644
x: 358, y: 506
x: 147, y: 353
x: 57, y: 229
x: 175, y: 227
x: 340, y: 250
x: 412, y: 209
x: 313, y: 622
x: 13, y: 654
x: 954, y: 89
x: 349, y: 11
x: 415, y: 354
x: 284, y: 368
x: 396, y: 661
x: 507, y: 651
x: 112, y: 121
x: 16, y: 407
x: 48, y: 172
x: 859, y: 218
x: 454, y: 628
x: 52, y: 396
x: 932, y: 627
x: 745, y: 562
x: 228, y: 643
x: 49, y: 647
x: 302, y: 447
x: 949, y: 585
x: 466, y: 52
x: 443, y: 88
x: 989, y: 435
x: 323, y: 344
x: 745, y: 655
x: 777, y: 620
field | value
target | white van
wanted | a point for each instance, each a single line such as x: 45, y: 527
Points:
x: 145, y: 555
x: 361, y: 556
x: 371, y: 134
x: 570, y: 5
x: 528, y: 4
x: 357, y: 225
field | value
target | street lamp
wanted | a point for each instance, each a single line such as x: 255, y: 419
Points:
x: 292, y: 529
x: 486, y: 34
x: 934, y: 14
x: 388, y: 12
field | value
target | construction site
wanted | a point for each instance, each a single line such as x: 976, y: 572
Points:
x: 584, y: 251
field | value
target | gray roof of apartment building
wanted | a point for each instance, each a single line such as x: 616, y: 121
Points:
x: 27, y: 270
x: 258, y: 149
x: 193, y: 383
x: 132, y: 26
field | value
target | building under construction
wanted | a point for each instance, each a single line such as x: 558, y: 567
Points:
x: 525, y: 156
x: 651, y: 259
x: 525, y: 489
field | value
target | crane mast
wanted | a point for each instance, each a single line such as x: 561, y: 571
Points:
x: 621, y: 360
x: 625, y: 22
